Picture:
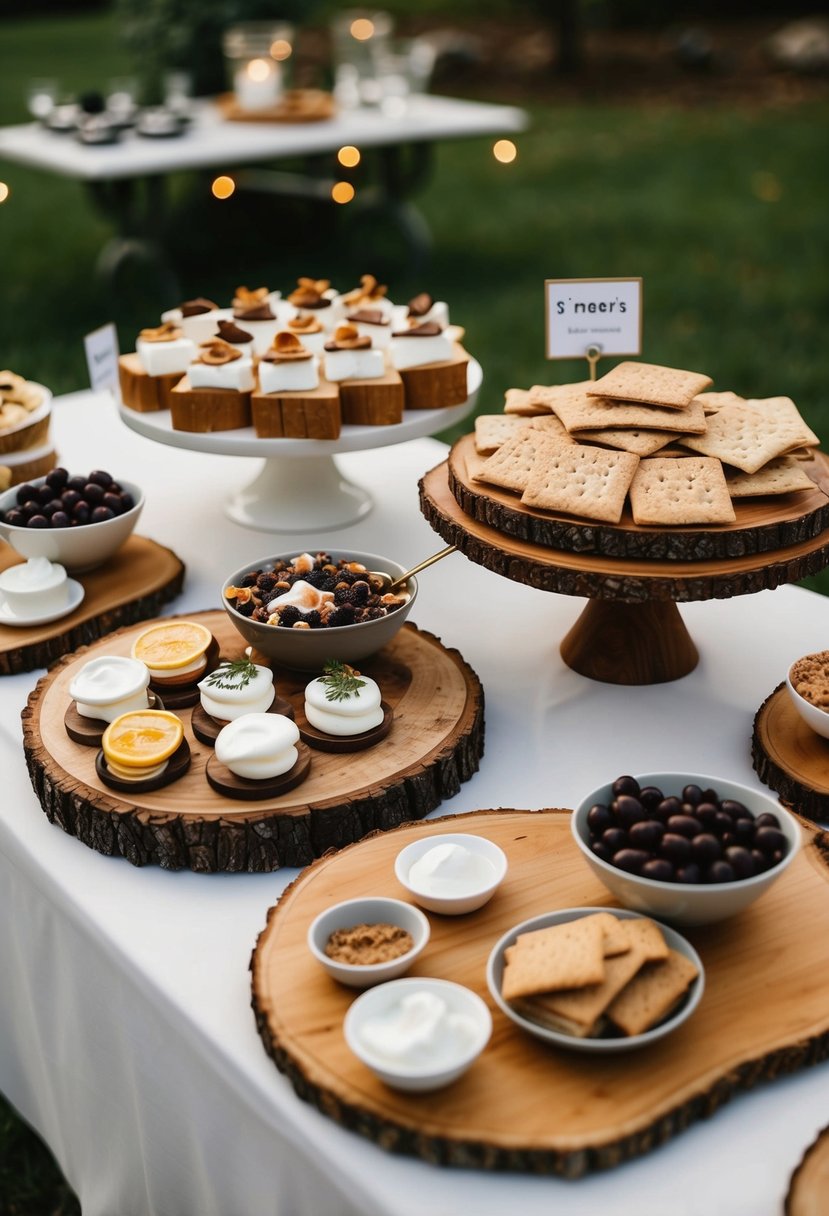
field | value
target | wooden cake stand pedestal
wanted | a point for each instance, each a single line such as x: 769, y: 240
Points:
x: 525, y: 1105
x: 790, y: 757
x: 435, y: 743
x: 631, y: 631
x: 132, y: 585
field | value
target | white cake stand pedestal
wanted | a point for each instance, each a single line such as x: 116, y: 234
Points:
x: 299, y: 486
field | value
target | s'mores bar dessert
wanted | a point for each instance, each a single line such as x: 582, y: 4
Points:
x: 215, y: 393
x: 292, y: 401
x: 162, y: 356
x: 370, y: 392
x: 252, y: 310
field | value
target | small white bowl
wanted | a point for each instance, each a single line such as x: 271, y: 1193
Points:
x: 418, y: 1077
x: 76, y: 549
x: 372, y: 910
x: 814, y: 717
x: 447, y: 904
x: 495, y: 974
x: 687, y: 903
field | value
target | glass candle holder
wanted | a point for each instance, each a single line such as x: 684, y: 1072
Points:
x: 256, y: 53
x: 359, y: 38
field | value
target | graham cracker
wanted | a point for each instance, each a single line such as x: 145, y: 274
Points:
x: 640, y: 442
x: 570, y: 955
x: 548, y: 394
x: 578, y: 1011
x: 671, y: 490
x: 491, y: 430
x: 616, y: 938
x: 647, y: 935
x: 510, y: 467
x: 784, y: 408
x: 649, y: 382
x: 652, y: 993
x: 781, y: 476
x: 747, y: 434
x: 552, y: 427
x: 519, y: 401
x: 581, y: 480
x: 711, y: 402
x: 581, y: 412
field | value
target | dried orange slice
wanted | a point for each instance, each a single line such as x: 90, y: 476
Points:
x: 171, y: 645
x: 142, y: 738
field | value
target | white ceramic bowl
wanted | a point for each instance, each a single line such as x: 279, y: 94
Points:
x: 686, y: 903
x: 418, y: 1077
x: 598, y: 1046
x: 449, y: 904
x: 309, y: 649
x: 77, y: 549
x: 815, y: 718
x: 372, y: 910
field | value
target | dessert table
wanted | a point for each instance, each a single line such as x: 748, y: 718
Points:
x: 114, y: 173
x: 126, y: 1033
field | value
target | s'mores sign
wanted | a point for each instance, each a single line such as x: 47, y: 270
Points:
x: 593, y: 316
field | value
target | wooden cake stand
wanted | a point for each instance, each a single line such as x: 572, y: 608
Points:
x: 631, y: 631
x: 435, y: 743
x: 525, y: 1105
x: 790, y: 757
x: 132, y: 585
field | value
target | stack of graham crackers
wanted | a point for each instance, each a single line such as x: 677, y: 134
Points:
x: 648, y: 435
x: 596, y: 976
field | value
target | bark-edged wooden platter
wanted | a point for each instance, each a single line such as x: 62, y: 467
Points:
x: 790, y: 757
x: 763, y: 524
x: 808, y: 1193
x: 525, y: 1105
x: 133, y: 585
x: 631, y: 632
x: 436, y: 743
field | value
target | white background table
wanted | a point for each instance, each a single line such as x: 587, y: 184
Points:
x: 126, y: 1034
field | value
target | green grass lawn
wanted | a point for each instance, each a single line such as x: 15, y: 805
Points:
x: 722, y: 211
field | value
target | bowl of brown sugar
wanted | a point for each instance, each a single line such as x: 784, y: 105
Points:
x: 808, y: 683
x: 363, y: 942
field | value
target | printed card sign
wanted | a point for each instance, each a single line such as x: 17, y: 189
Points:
x: 101, y: 348
x: 602, y: 314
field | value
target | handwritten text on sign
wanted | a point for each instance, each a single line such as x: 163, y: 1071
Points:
x: 585, y: 313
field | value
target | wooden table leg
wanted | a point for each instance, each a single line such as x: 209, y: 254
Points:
x: 619, y: 643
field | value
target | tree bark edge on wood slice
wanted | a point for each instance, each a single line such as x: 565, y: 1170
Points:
x: 790, y: 758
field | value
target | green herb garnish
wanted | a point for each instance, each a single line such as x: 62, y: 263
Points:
x: 234, y: 675
x: 341, y: 681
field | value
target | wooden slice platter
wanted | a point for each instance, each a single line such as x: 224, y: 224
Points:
x: 808, y: 1193
x: 762, y: 524
x: 790, y: 757
x: 134, y: 584
x: 525, y: 1105
x: 436, y: 743
x: 631, y: 632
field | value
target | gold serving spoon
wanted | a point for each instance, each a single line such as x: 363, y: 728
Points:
x: 389, y: 583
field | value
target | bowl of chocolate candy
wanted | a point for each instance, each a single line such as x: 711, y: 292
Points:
x: 807, y: 681
x: 682, y: 847
x: 76, y: 520
x: 303, y: 610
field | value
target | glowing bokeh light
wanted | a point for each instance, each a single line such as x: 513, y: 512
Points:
x: 4, y: 192
x: 505, y: 151
x: 222, y: 187
x: 281, y: 49
x: 258, y: 69
x: 342, y: 192
x: 349, y: 156
x: 362, y: 29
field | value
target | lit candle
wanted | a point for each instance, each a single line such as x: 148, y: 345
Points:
x: 258, y: 84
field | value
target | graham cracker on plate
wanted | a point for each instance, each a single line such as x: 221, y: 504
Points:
x: 492, y: 430
x: 640, y: 442
x: 781, y: 476
x: 581, y: 480
x: 652, y: 993
x: 581, y: 412
x: 578, y: 1011
x: 510, y: 467
x: 649, y: 382
x: 748, y: 434
x: 519, y: 401
x: 784, y: 408
x: 569, y: 955
x: 671, y: 490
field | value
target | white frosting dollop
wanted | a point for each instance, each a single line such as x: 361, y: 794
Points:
x: 227, y: 699
x: 109, y: 686
x: 303, y: 596
x: 258, y: 746
x: 356, y: 713
x: 420, y: 1030
x: 451, y: 869
x: 37, y: 585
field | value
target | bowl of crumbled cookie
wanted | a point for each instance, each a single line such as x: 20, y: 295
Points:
x: 368, y: 941
x: 807, y: 681
x: 303, y: 610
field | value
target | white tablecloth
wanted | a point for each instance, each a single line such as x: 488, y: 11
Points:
x: 126, y: 1035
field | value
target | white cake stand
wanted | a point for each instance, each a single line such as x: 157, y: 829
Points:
x: 300, y: 487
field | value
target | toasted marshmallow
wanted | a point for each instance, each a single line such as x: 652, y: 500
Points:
x: 258, y: 746
x: 237, y: 375
x: 422, y: 344
x: 165, y: 358
x: 353, y: 715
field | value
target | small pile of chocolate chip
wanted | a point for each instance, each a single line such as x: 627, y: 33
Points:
x: 357, y: 597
